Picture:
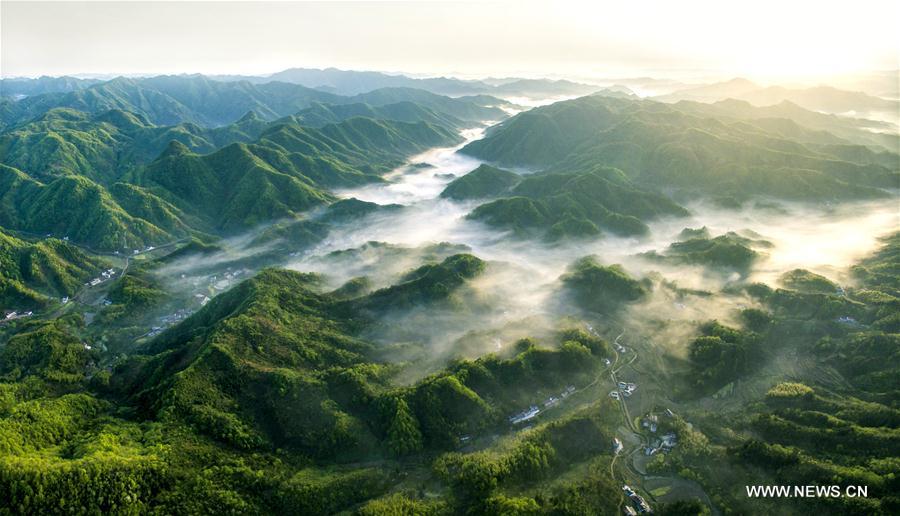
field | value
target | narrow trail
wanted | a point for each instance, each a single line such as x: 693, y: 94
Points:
x: 617, y: 365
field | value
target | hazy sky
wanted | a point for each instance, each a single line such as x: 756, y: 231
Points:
x: 764, y: 39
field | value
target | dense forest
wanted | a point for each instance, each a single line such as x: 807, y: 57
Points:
x: 335, y: 292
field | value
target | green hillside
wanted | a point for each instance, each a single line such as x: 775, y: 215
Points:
x: 268, y: 399
x: 730, y: 252
x: 319, y: 114
x: 684, y: 148
x: 267, y: 368
x: 832, y: 421
x: 483, y: 182
x: 425, y: 285
x: 104, y: 146
x: 229, y: 189
x: 51, y: 267
x: 599, y: 288
x: 90, y: 185
x: 469, y: 110
x: 171, y: 100
x: 75, y: 207
x: 286, y: 172
x: 574, y: 205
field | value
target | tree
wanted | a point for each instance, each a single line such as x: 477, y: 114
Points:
x: 403, y: 435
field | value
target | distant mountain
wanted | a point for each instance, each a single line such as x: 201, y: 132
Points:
x: 349, y: 82
x: 648, y: 86
x: 540, y: 88
x: 819, y: 98
x: 681, y: 148
x: 790, y: 121
x: 733, y: 88
x: 822, y: 98
x: 172, y: 100
x: 471, y: 109
x: 881, y: 83
x: 352, y: 82
x: 24, y: 87
x: 323, y: 114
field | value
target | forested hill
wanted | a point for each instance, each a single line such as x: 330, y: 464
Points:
x: 171, y: 100
x: 130, y: 163
x: 268, y: 399
x: 269, y: 380
x: 688, y: 146
x: 31, y: 271
x: 270, y: 171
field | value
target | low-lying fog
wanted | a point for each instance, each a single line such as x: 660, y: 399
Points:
x: 519, y: 290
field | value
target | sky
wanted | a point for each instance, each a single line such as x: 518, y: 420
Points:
x: 763, y: 39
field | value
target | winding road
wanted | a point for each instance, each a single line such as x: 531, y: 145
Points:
x: 80, y: 293
x: 615, y: 368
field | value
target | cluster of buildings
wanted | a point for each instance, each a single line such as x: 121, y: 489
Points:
x: 554, y: 400
x: 624, y: 389
x: 222, y: 282
x: 214, y: 282
x: 104, y: 276
x: 169, y: 320
x: 139, y: 251
x: 664, y: 443
x: 638, y: 504
x: 849, y: 321
x: 200, y: 300
x: 532, y: 411
x: 526, y: 415
x: 12, y: 315
x: 650, y: 422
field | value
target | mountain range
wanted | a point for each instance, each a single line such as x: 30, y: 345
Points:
x: 473, y: 376
x: 692, y: 147
x: 119, y: 187
x: 171, y: 100
x: 827, y: 99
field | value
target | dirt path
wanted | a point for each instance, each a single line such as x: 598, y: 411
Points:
x: 643, y: 478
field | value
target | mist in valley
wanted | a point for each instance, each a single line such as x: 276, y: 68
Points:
x: 449, y: 258
x: 520, y: 292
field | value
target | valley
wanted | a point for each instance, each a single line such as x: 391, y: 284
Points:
x: 254, y: 296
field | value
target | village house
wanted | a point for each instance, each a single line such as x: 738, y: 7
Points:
x: 525, y: 415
